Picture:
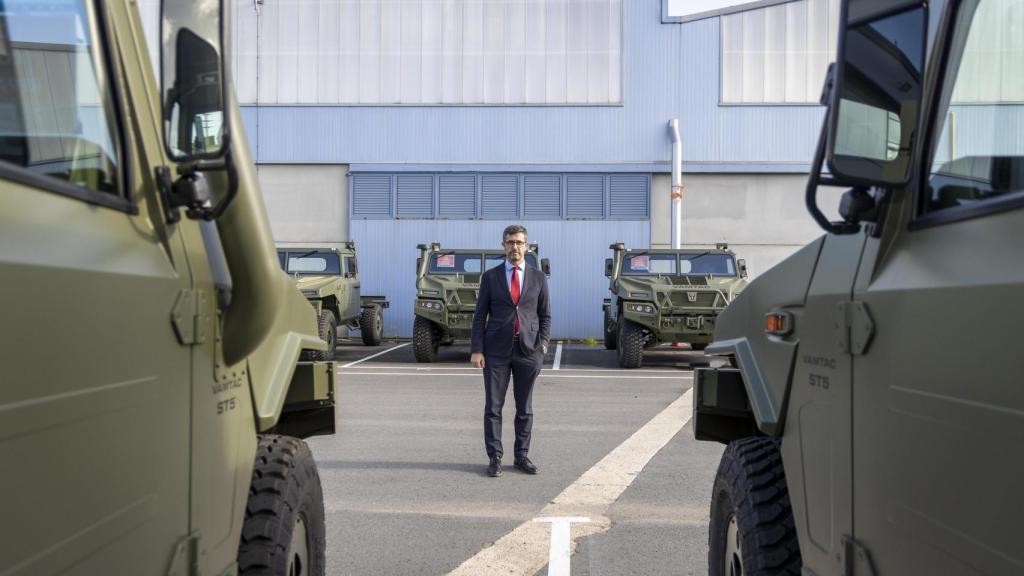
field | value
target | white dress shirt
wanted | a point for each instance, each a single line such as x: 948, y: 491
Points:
x: 521, y: 276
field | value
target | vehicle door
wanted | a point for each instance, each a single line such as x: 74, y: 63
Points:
x: 352, y: 304
x: 938, y: 398
x: 94, y: 389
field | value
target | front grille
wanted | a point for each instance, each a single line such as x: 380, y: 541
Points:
x: 682, y: 299
x: 465, y: 297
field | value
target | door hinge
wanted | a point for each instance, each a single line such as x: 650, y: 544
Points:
x: 854, y: 327
x: 189, y: 318
x: 856, y: 561
x: 185, y: 561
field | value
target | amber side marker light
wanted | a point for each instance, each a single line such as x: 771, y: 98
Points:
x: 778, y: 323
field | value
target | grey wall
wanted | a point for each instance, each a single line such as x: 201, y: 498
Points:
x: 308, y: 205
x: 761, y: 216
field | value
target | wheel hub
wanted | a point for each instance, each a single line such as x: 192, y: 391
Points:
x: 298, y: 551
x: 733, y: 560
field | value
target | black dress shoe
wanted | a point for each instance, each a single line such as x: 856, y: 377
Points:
x: 494, y: 468
x: 525, y: 465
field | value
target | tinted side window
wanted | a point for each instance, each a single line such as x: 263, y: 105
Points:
x: 980, y: 154
x: 55, y: 114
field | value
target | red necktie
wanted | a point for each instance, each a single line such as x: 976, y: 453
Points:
x: 515, y: 298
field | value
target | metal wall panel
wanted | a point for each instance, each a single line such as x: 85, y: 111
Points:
x: 628, y: 195
x: 499, y: 196
x: 730, y: 137
x: 542, y: 196
x: 415, y: 195
x: 456, y: 195
x: 584, y: 196
x: 371, y: 195
x: 577, y: 249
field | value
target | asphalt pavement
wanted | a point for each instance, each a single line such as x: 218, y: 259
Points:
x: 405, y: 484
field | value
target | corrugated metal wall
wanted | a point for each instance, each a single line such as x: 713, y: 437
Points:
x: 577, y: 249
x: 669, y: 70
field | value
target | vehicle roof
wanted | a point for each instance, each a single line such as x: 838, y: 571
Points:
x: 311, y: 249
x: 679, y: 251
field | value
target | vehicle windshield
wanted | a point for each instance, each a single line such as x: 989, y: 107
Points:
x: 315, y: 263
x: 701, y: 264
x: 452, y: 263
x: 649, y: 264
x: 706, y: 265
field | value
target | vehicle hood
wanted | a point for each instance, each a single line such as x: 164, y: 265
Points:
x: 312, y: 283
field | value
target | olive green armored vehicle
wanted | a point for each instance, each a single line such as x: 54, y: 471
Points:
x: 329, y: 279
x: 447, y: 284
x: 666, y: 295
x: 151, y: 402
x: 874, y: 422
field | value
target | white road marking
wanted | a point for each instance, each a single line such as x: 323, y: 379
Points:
x: 561, y: 543
x: 542, y: 375
x: 558, y: 357
x: 375, y: 355
x: 526, y: 549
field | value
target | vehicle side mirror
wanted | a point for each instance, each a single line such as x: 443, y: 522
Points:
x: 419, y: 264
x: 876, y: 100
x: 545, y: 266
x: 741, y: 264
x: 607, y: 267
x: 194, y: 85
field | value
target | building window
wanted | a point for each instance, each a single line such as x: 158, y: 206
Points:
x: 448, y: 52
x: 778, y: 54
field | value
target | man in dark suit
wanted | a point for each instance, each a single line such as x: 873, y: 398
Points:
x: 511, y: 329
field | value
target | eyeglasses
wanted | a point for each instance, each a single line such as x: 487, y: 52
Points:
x: 516, y: 243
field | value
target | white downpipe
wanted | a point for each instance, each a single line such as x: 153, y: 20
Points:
x: 677, y: 185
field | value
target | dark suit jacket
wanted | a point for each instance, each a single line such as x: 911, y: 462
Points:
x: 495, y: 313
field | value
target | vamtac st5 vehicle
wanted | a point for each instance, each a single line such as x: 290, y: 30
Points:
x: 666, y: 295
x: 447, y: 284
x: 329, y: 279
x: 873, y: 425
x: 157, y: 430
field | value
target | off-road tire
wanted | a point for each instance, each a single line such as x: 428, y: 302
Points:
x: 630, y: 344
x: 611, y: 332
x: 371, y: 325
x: 751, y: 487
x: 327, y: 327
x: 425, y: 340
x: 285, y: 488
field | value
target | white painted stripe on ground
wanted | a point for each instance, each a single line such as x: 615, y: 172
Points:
x: 415, y: 369
x: 558, y: 356
x: 561, y: 543
x: 542, y: 375
x: 525, y: 550
x: 377, y: 354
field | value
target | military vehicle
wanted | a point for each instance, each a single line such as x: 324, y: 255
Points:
x: 151, y: 404
x: 874, y: 421
x: 329, y: 279
x: 666, y: 295
x: 447, y: 284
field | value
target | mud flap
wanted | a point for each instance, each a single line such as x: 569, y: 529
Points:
x: 309, y: 407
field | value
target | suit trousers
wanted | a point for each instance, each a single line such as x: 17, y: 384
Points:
x: 523, y: 370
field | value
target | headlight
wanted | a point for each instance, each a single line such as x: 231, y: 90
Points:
x: 430, y: 305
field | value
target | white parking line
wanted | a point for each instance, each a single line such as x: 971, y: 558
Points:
x: 415, y: 369
x: 558, y: 356
x: 542, y: 375
x: 375, y: 355
x: 525, y: 550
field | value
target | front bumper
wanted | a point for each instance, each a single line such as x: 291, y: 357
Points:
x: 694, y: 326
x: 456, y: 323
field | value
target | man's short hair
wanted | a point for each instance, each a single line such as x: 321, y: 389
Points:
x: 513, y: 230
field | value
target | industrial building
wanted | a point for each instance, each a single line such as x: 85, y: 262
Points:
x: 399, y: 122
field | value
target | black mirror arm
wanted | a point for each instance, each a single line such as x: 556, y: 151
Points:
x: 814, y: 180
